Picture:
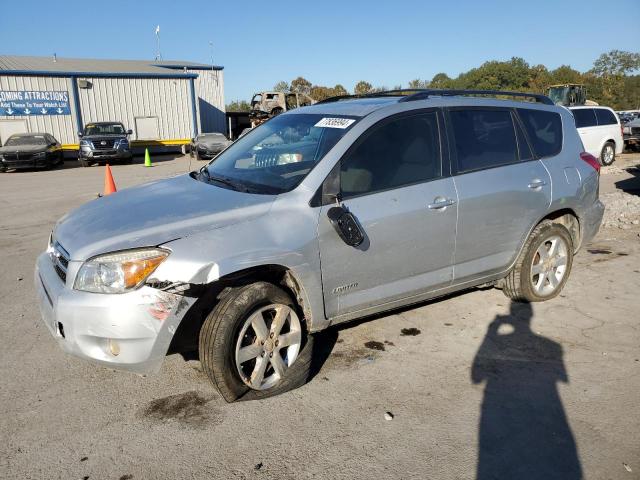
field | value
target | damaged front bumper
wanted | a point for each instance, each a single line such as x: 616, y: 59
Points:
x: 130, y: 331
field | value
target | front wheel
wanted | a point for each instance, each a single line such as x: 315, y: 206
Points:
x: 608, y: 154
x: 253, y: 344
x: 84, y: 163
x: 543, y: 267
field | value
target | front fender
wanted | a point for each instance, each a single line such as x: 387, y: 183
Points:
x: 282, y: 238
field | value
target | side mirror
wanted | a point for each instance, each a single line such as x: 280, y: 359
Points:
x: 346, y: 225
x: 79, y: 134
x: 129, y: 132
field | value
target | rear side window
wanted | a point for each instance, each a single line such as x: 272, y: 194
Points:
x: 605, y: 117
x: 544, y: 130
x: 585, y: 117
x: 483, y: 138
x: 400, y: 152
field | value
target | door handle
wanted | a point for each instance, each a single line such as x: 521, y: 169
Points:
x: 537, y: 183
x: 440, y: 203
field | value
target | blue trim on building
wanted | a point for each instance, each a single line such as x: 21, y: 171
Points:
x: 45, y: 73
x: 76, y: 103
x: 194, y: 115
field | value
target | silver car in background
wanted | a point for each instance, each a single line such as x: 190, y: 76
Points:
x: 208, y: 145
x: 327, y: 213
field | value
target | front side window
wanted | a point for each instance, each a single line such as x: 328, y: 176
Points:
x: 584, y: 117
x: 276, y: 156
x: 605, y: 117
x: 544, y: 130
x: 483, y: 138
x: 399, y: 152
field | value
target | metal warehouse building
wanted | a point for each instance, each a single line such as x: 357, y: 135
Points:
x: 163, y: 102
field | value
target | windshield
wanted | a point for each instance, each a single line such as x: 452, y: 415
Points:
x: 558, y: 95
x: 203, y: 137
x: 106, y: 129
x: 25, y: 140
x: 276, y: 156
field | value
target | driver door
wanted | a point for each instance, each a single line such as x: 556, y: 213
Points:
x: 392, y: 181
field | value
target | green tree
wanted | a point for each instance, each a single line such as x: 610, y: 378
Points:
x: 565, y: 74
x: 417, y: 83
x: 301, y: 85
x: 616, y: 62
x: 441, y: 80
x: 281, y: 86
x: 238, y: 106
x: 362, y: 88
x: 339, y: 90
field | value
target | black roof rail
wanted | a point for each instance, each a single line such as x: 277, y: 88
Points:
x: 426, y: 93
x: 402, y: 92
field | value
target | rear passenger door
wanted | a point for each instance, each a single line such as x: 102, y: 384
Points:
x: 587, y: 126
x: 502, y: 189
x: 392, y: 179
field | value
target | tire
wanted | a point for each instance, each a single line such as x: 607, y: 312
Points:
x: 608, y: 154
x: 60, y: 161
x: 198, y: 157
x: 519, y: 284
x: 84, y: 163
x: 128, y: 160
x: 225, y: 332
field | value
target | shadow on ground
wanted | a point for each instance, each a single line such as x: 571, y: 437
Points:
x: 524, y: 433
x: 630, y: 185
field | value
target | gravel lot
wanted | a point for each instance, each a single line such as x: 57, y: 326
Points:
x: 441, y: 369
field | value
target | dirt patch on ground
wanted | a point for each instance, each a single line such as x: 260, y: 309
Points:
x: 189, y: 408
x: 409, y: 332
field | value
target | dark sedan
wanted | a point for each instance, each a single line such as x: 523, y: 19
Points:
x: 208, y: 145
x: 30, y: 150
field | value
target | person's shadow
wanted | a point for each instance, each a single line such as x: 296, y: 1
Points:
x: 524, y: 433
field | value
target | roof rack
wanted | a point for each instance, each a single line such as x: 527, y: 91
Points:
x: 411, y: 94
x: 424, y: 94
x: 390, y: 93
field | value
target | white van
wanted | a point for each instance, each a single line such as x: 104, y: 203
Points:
x: 600, y: 131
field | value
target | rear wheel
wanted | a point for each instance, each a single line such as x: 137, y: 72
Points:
x: 253, y: 345
x: 608, y: 154
x: 543, y: 267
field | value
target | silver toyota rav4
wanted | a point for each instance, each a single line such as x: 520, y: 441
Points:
x: 330, y: 212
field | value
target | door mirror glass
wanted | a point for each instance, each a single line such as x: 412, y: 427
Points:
x: 129, y: 132
x: 345, y: 223
x: 79, y: 134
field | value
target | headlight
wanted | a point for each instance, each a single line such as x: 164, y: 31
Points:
x: 85, y: 143
x: 118, y: 272
x: 123, y: 144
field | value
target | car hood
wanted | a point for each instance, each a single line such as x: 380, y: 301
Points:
x: 23, y: 149
x: 633, y: 123
x: 152, y: 214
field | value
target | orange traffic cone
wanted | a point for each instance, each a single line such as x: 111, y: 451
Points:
x: 109, y: 184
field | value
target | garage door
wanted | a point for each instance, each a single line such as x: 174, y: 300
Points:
x: 147, y: 128
x: 9, y: 127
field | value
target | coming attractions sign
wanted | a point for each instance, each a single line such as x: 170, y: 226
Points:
x: 34, y: 102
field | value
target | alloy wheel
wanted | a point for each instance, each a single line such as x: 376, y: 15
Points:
x: 549, y: 265
x: 267, y: 345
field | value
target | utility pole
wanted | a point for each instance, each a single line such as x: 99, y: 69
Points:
x: 158, y: 54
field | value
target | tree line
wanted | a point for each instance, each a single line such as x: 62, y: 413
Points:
x: 612, y: 81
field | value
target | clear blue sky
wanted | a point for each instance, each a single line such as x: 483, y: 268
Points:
x: 328, y: 41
